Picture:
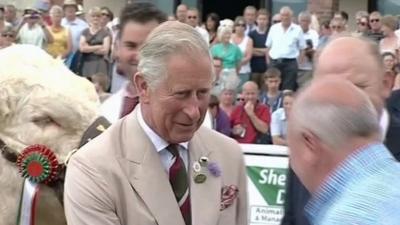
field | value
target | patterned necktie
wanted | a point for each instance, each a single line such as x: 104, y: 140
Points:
x: 128, y: 105
x: 179, y: 182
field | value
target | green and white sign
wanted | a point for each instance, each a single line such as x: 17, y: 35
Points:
x: 267, y: 167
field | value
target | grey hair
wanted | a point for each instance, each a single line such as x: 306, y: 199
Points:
x: 56, y: 9
x: 286, y: 9
x: 223, y: 30
x: 334, y: 124
x: 170, y: 38
x: 305, y: 14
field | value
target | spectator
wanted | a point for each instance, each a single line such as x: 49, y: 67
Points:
x: 375, y: 33
x: 392, y: 74
x: 227, y: 100
x: 286, y: 44
x: 3, y: 23
x: 101, y: 83
x: 271, y: 96
x: 43, y: 6
x: 220, y: 119
x: 33, y: 30
x: 344, y: 16
x: 218, y: 85
x: 311, y: 37
x: 137, y: 20
x: 390, y: 42
x: 229, y: 53
x: 212, y: 24
x: 95, y: 45
x: 107, y: 17
x: 181, y: 12
x: 279, y: 119
x: 7, y: 37
x: 362, y: 26
x: 337, y: 27
x: 10, y: 15
x: 192, y: 18
x: 276, y: 18
x: 258, y: 64
x: 325, y: 34
x: 359, y: 15
x: 75, y: 26
x: 249, y: 15
x: 250, y: 120
x: 245, y: 44
x: 62, y: 41
x: 339, y: 162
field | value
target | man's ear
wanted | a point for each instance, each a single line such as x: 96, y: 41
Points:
x: 312, y: 143
x: 142, y: 87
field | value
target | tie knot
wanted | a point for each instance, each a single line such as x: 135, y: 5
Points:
x: 173, y: 149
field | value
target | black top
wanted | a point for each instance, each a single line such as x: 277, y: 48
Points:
x: 257, y: 63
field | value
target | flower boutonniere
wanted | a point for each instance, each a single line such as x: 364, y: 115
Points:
x: 203, y: 164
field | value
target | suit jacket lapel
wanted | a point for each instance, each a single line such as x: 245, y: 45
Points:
x: 146, y: 173
x: 205, y: 197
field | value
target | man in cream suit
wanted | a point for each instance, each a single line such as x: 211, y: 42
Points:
x: 158, y: 165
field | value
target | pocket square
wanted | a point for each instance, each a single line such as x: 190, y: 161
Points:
x: 228, y: 194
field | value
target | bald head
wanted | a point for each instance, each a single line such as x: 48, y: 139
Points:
x: 358, y: 61
x: 250, y: 92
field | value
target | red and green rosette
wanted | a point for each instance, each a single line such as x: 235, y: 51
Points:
x: 38, y: 164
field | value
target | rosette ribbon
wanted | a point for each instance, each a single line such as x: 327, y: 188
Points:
x: 37, y: 164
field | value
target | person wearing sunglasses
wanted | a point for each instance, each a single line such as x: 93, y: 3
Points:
x: 7, y: 37
x: 362, y: 26
x: 390, y: 42
x: 337, y: 26
x: 106, y: 17
x: 192, y: 18
x: 375, y: 33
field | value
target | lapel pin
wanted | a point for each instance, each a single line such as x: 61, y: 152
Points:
x: 196, y: 167
x: 203, y: 161
x: 200, y: 178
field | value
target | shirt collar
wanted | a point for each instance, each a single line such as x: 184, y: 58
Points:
x: 352, y: 167
x: 158, y: 142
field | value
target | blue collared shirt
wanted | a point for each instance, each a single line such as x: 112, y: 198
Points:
x: 363, y: 190
x: 75, y: 27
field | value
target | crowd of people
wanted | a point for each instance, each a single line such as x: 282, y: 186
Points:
x: 260, y: 61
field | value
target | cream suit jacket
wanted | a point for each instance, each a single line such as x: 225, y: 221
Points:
x: 118, y: 179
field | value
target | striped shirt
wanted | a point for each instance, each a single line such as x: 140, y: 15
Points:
x: 363, y: 190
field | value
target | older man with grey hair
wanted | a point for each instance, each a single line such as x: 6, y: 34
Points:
x: 343, y: 164
x: 158, y: 165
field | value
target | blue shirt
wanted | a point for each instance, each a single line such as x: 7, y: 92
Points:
x: 363, y: 190
x: 75, y: 27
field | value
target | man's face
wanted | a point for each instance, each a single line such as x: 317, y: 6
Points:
x: 132, y: 38
x: 304, y: 23
x: 217, y: 67
x: 250, y: 93
x: 388, y: 62
x: 287, y: 104
x: 70, y: 11
x: 272, y: 83
x: 227, y: 97
x: 9, y: 14
x: 177, y: 107
x: 375, y: 22
x: 262, y: 21
x: 250, y: 16
x: 192, y: 18
x: 181, y: 12
x: 286, y: 18
x: 336, y: 27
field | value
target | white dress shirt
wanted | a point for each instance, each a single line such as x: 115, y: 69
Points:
x: 203, y: 33
x: 285, y: 44
x: 314, y: 37
x: 167, y: 159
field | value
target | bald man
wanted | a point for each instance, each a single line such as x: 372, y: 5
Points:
x: 250, y: 120
x: 343, y: 164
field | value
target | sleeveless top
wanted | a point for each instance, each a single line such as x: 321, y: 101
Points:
x: 60, y: 42
x: 242, y: 45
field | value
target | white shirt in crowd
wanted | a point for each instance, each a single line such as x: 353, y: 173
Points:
x: 314, y: 37
x: 242, y: 46
x: 279, y: 123
x: 203, y: 33
x: 285, y: 44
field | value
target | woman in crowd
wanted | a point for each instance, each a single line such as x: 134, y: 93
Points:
x: 245, y: 44
x: 279, y: 119
x: 212, y: 24
x: 95, y: 44
x: 390, y: 42
x: 62, y: 42
x: 391, y: 69
x: 362, y: 26
x: 221, y: 122
x: 227, y: 100
x: 106, y: 17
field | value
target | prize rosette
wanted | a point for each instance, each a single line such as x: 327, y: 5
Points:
x: 38, y: 164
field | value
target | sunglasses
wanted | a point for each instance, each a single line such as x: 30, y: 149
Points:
x: 374, y: 20
x: 241, y: 25
x: 105, y: 14
x: 336, y: 27
x: 362, y: 24
x: 240, y: 99
x: 8, y: 35
x: 276, y: 21
x: 192, y: 17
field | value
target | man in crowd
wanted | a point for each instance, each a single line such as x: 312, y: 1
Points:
x: 249, y: 15
x: 137, y: 20
x: 10, y: 15
x: 352, y: 176
x: 192, y: 18
x: 375, y: 33
x: 181, y: 12
x: 285, y: 45
x: 158, y: 165
x: 250, y: 120
x: 259, y: 37
x: 311, y: 37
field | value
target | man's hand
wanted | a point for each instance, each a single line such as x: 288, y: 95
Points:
x: 249, y: 108
x: 237, y: 130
